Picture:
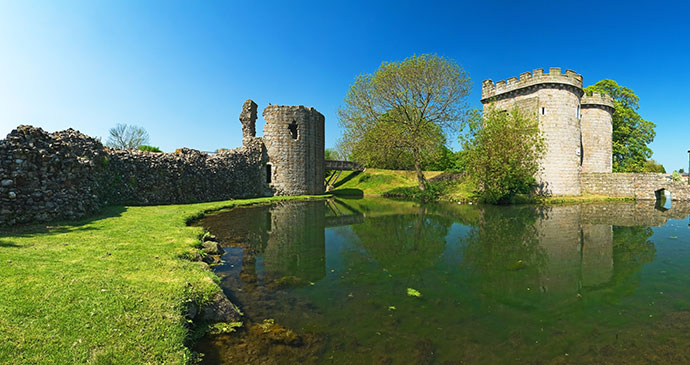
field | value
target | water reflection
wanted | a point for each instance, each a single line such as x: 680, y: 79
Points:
x: 510, y: 283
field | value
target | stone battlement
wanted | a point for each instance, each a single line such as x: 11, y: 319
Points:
x: 597, y: 99
x: 527, y: 79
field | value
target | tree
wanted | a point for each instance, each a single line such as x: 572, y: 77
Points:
x: 405, y: 104
x: 631, y: 133
x: 398, y: 155
x: 652, y: 166
x: 127, y: 136
x: 503, y: 150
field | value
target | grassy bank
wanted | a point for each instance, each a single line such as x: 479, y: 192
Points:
x: 403, y: 184
x: 110, y: 289
x: 378, y: 182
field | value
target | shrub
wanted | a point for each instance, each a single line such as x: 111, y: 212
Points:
x: 675, y: 176
x: 144, y: 147
x: 502, y: 155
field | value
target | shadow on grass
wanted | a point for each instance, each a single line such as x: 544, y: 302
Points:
x: 8, y: 244
x: 348, y: 192
x: 60, y: 226
x: 347, y: 178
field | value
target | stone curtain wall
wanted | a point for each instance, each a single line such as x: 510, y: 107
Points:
x: 68, y: 175
x: 188, y: 176
x: 640, y: 185
x: 47, y: 176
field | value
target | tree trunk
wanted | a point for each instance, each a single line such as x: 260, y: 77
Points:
x: 421, y: 180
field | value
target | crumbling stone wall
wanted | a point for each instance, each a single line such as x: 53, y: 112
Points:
x: 67, y: 175
x: 48, y: 176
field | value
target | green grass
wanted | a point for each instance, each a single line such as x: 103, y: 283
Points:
x: 403, y: 184
x: 400, y: 183
x: 377, y: 181
x: 110, y: 289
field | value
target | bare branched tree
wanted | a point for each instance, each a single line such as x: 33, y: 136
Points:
x: 127, y: 136
x: 415, y: 98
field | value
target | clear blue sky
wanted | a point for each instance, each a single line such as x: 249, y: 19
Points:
x: 182, y: 69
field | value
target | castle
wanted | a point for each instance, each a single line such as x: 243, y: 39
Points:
x: 577, y: 128
x: 294, y: 148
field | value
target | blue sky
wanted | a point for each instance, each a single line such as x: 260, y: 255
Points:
x: 182, y: 69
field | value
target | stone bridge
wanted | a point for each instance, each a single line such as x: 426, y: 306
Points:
x: 642, y: 186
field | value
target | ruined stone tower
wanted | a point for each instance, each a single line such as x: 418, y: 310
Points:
x: 294, y: 140
x: 557, y: 101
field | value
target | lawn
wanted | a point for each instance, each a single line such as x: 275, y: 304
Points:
x: 378, y: 181
x: 109, y: 289
x: 374, y: 182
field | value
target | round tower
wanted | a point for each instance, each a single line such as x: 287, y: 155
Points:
x: 597, y: 130
x: 555, y: 99
x: 294, y: 140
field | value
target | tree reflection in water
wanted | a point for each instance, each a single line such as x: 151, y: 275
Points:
x: 509, y: 283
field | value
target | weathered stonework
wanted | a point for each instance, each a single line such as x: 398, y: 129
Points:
x: 639, y: 185
x: 596, y: 119
x: 294, y: 139
x: 68, y: 175
x: 575, y: 141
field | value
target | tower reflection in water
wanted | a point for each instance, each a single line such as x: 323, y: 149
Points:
x: 557, y: 250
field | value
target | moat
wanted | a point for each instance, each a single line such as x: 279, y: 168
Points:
x: 390, y: 282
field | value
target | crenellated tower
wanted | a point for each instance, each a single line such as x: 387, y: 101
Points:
x: 554, y: 98
x: 577, y: 127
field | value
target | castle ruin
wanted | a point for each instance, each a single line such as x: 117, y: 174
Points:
x: 294, y: 144
x: 577, y: 128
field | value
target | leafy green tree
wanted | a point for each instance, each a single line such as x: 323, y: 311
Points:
x: 631, y: 133
x: 446, y: 161
x: 127, y: 136
x: 652, y: 166
x: 503, y: 150
x: 398, y: 155
x: 680, y: 171
x: 406, y: 104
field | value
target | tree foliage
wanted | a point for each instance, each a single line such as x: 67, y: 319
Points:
x: 405, y: 108
x: 330, y: 154
x: 503, y: 150
x: 398, y: 155
x: 631, y: 133
x: 652, y: 166
x: 127, y: 136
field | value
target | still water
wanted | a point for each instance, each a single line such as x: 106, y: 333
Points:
x: 390, y: 282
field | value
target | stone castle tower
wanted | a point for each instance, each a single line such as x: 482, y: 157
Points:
x: 294, y: 147
x: 577, y: 128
